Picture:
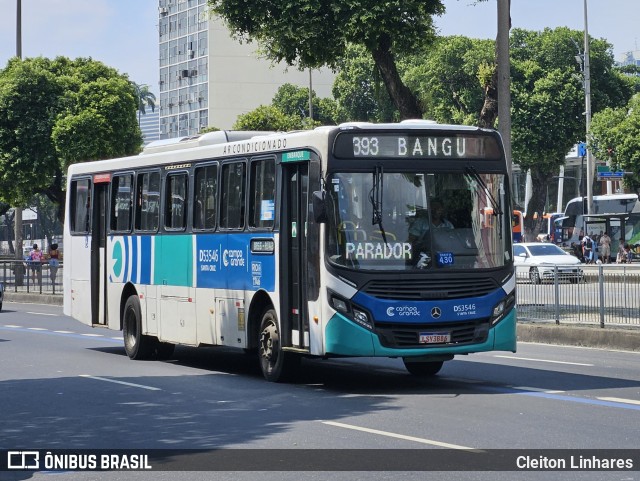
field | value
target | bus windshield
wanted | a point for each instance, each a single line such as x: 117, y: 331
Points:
x: 417, y: 220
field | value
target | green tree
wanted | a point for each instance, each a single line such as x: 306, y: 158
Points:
x: 267, y: 118
x: 449, y: 78
x: 359, y: 90
x: 548, y: 101
x: 57, y: 112
x: 615, y: 136
x: 312, y: 34
x: 144, y: 98
x: 293, y: 100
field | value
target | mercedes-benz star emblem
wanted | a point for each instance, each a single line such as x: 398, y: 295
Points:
x: 436, y: 312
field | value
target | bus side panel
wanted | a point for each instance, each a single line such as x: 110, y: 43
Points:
x: 173, y: 272
x: 80, y: 278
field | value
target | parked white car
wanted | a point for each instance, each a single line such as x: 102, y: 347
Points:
x: 541, y: 260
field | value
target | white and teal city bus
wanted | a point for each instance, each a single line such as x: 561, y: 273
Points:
x: 319, y: 243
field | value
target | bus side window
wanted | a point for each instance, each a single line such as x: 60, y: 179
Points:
x: 147, y: 201
x: 232, y: 203
x: 175, y: 202
x: 121, y: 203
x: 263, y: 193
x: 80, y: 206
x: 205, y: 196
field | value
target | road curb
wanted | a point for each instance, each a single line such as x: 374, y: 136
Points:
x: 33, y: 298
x: 584, y: 336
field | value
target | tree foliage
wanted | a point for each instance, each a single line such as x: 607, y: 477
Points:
x: 312, y: 34
x: 144, y: 98
x: 267, y: 118
x: 57, y: 112
x: 294, y: 100
x: 615, y: 136
x: 449, y: 77
x: 289, y: 110
x: 548, y: 103
x: 359, y: 90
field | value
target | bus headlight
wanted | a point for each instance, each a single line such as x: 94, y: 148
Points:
x: 502, y: 308
x: 345, y: 307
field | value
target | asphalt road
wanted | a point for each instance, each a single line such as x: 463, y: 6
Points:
x: 64, y: 385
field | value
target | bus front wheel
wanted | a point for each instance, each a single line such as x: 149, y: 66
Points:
x: 430, y: 368
x: 276, y: 365
x: 137, y: 345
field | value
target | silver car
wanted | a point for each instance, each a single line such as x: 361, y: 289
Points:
x: 542, y: 260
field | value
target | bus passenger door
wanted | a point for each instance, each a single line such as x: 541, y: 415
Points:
x: 98, y: 253
x: 293, y: 255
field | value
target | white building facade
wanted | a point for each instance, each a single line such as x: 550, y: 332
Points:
x: 208, y: 79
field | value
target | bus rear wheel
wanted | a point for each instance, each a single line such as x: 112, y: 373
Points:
x: 423, y: 369
x: 137, y: 345
x: 276, y: 365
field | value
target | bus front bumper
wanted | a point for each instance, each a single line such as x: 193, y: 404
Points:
x: 345, y: 338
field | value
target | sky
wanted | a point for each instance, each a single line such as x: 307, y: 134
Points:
x: 124, y: 33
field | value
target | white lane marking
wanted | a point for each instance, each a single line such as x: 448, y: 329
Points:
x: 42, y: 314
x: 92, y: 335
x: 536, y: 389
x: 64, y: 332
x: 399, y: 436
x: 37, y: 329
x: 544, y: 360
x: 13, y: 326
x: 117, y: 338
x: 150, y: 388
x: 619, y: 400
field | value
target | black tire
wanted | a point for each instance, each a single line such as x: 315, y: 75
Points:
x: 137, y: 345
x: 423, y: 369
x: 534, y: 275
x: 276, y: 365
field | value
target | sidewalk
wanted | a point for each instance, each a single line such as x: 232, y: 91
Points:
x: 611, y: 337
x: 33, y: 298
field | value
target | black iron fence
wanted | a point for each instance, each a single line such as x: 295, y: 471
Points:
x: 606, y: 294
x: 27, y: 276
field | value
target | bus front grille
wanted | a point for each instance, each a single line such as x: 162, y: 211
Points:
x: 408, y: 335
x: 430, y: 289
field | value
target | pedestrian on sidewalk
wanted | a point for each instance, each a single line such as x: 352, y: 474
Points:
x: 605, y: 248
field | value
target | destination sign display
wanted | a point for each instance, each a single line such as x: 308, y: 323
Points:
x: 411, y: 146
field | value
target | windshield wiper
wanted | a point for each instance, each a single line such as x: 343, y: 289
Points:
x: 376, y: 197
x: 473, y: 173
x: 497, y: 211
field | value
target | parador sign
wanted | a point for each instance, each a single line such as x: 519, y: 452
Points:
x: 254, y: 146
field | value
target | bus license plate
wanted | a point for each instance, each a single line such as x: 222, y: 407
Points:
x: 434, y: 337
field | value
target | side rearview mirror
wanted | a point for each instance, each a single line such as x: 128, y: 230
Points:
x: 319, y: 207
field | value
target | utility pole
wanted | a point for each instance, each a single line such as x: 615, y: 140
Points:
x: 17, y: 216
x: 587, y: 113
x: 504, y: 79
x: 17, y: 213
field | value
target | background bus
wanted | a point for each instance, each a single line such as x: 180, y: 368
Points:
x: 315, y: 243
x: 616, y: 214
